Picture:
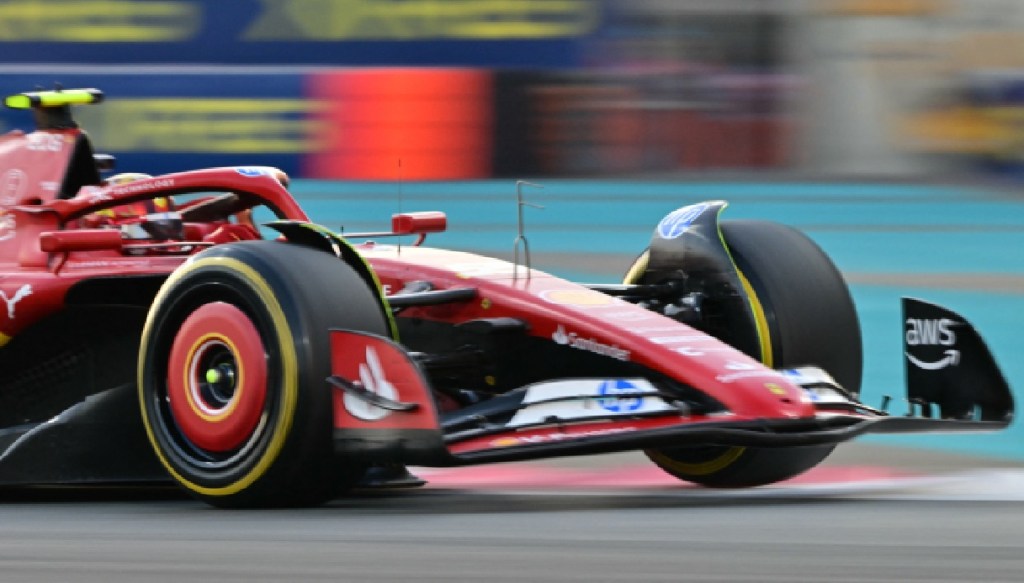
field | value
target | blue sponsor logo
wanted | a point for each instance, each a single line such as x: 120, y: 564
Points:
x: 794, y: 375
x: 251, y: 172
x: 619, y: 396
x: 678, y: 221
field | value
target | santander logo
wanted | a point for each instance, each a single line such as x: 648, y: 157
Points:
x: 572, y: 339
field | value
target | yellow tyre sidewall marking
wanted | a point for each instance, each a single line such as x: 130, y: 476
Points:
x: 289, y: 373
x: 764, y: 339
x: 730, y: 454
x: 636, y: 271
x: 367, y: 268
x: 760, y: 321
x: 712, y: 466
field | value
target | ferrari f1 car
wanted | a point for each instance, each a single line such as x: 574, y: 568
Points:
x: 274, y: 367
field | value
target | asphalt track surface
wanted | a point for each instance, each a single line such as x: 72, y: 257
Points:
x: 906, y: 516
x: 874, y: 511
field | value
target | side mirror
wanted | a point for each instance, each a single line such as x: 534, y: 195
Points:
x: 419, y: 223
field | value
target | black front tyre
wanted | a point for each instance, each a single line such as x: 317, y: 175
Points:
x: 809, y: 318
x: 232, y: 369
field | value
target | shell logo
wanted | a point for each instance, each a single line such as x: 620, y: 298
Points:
x: 505, y: 442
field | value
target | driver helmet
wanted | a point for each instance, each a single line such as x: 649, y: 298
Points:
x: 153, y: 218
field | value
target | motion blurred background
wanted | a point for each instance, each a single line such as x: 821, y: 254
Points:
x: 460, y: 89
x: 891, y: 131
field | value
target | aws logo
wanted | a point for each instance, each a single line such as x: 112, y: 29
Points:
x: 922, y: 332
x: 930, y: 332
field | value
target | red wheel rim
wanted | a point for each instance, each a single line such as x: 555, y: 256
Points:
x: 217, y: 377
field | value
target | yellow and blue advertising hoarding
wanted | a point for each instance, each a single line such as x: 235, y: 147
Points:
x: 290, y: 84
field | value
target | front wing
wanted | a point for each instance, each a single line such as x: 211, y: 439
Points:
x: 384, y: 409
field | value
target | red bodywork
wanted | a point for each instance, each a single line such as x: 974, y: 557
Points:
x: 593, y: 319
x: 563, y: 313
x: 43, y: 247
x: 388, y: 407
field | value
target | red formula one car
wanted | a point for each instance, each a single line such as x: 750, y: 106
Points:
x: 150, y: 332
